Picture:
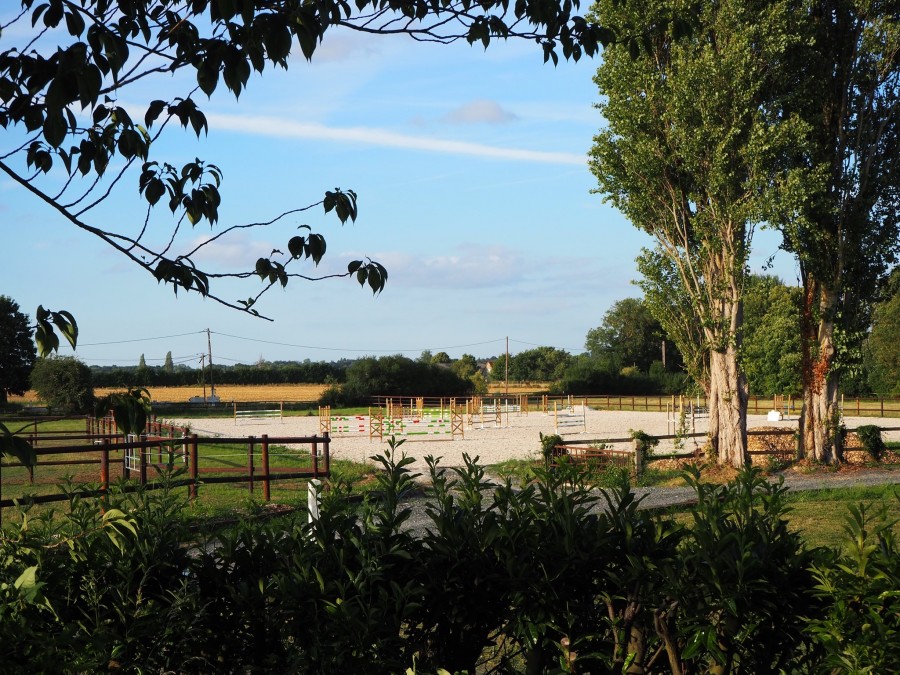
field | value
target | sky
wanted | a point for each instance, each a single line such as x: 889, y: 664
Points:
x: 470, y: 167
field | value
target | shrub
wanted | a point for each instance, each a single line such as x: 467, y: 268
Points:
x: 64, y: 384
x: 860, y: 629
x: 548, y: 444
x: 870, y: 437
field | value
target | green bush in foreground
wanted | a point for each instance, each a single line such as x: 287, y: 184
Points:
x: 549, y: 577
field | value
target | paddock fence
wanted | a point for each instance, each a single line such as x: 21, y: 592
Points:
x: 141, y: 463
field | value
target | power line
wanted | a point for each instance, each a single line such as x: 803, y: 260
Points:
x: 363, y: 351
x: 147, y: 339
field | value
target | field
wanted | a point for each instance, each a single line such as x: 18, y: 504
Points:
x: 240, y: 393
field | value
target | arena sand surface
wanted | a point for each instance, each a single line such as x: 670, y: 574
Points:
x: 518, y: 437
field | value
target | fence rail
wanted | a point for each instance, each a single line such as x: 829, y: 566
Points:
x: 137, y: 462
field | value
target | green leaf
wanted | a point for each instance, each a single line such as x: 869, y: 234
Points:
x: 16, y: 447
x: 28, y: 578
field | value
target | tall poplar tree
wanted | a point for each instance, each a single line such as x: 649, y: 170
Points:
x: 687, y: 156
x: 845, y: 234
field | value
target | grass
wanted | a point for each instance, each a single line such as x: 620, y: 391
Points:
x: 819, y: 514
x: 215, y: 459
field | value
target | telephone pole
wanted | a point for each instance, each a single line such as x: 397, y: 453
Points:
x: 212, y: 386
x: 507, y: 365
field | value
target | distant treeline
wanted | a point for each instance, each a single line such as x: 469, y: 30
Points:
x: 286, y: 372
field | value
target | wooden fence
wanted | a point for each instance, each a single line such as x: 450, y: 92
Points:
x: 159, y: 454
x: 597, y: 450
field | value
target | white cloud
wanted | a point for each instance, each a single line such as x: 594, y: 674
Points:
x: 480, y: 112
x: 282, y: 128
x: 234, y: 253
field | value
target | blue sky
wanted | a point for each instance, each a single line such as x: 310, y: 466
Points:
x: 470, y: 166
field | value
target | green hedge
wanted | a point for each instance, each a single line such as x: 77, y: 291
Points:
x: 548, y: 577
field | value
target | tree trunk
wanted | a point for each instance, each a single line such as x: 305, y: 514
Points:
x: 821, y: 416
x: 728, y: 408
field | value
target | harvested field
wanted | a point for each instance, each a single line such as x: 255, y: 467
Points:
x: 240, y: 393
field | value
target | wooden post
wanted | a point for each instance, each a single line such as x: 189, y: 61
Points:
x: 638, y: 459
x: 193, y: 468
x: 267, y: 495
x: 250, y: 464
x: 142, y: 462
x: 104, y: 466
x: 327, y: 444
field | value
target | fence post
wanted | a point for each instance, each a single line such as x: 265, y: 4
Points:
x: 267, y: 495
x: 143, y: 459
x: 104, y: 466
x: 250, y: 463
x: 327, y: 444
x: 638, y: 459
x: 194, y: 469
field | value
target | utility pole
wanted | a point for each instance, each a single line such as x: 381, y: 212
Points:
x: 507, y: 365
x: 203, y: 374
x: 212, y: 386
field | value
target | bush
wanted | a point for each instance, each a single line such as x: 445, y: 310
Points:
x: 860, y: 628
x: 547, y: 577
x: 64, y: 384
x: 870, y: 437
x: 398, y: 376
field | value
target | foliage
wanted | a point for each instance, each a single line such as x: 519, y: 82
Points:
x: 543, y: 576
x: 646, y: 442
x: 130, y: 409
x: 586, y: 375
x: 860, y: 626
x: 870, y: 437
x: 465, y: 366
x: 630, y: 336
x: 394, y: 376
x: 548, y: 445
x: 687, y: 158
x: 278, y: 372
x: 844, y: 224
x: 541, y: 364
x: 64, y: 383
x: 17, y: 352
x: 771, y: 350
x: 744, y: 584
x: 883, y: 342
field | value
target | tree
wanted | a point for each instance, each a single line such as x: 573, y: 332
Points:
x: 771, y: 356
x: 845, y: 230
x: 142, y: 363
x: 17, y: 352
x: 686, y: 156
x: 441, y: 358
x: 541, y: 364
x: 465, y: 366
x: 64, y: 383
x: 884, y: 341
x: 629, y: 336
x: 74, y: 60
x: 169, y: 367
